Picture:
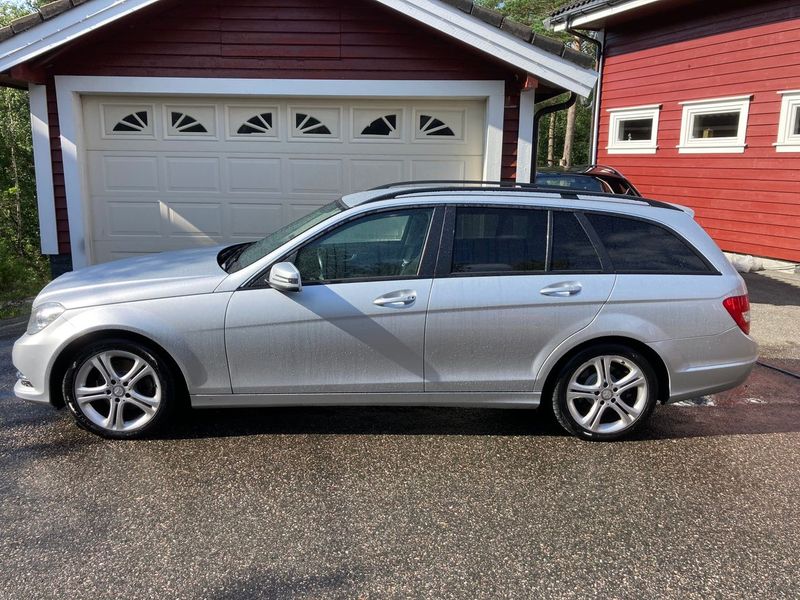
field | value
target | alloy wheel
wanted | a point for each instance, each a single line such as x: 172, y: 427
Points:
x: 118, y: 390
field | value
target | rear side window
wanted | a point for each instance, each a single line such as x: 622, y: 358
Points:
x: 638, y: 246
x: 491, y: 240
x: 572, y: 249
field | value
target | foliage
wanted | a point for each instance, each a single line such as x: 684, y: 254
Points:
x: 23, y: 270
x: 533, y: 13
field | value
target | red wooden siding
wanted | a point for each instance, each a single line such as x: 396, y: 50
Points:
x: 275, y: 39
x: 750, y: 202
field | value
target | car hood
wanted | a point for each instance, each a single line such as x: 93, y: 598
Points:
x: 164, y: 275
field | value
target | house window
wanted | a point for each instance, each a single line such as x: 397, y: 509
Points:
x: 789, y: 125
x: 714, y: 126
x: 633, y: 130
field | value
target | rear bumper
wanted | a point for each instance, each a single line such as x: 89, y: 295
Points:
x: 707, y: 365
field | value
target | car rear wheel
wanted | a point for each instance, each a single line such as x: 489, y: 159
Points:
x: 119, y: 389
x: 605, y: 392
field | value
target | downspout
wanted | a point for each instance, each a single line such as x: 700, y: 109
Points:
x: 599, y: 61
x: 537, y: 117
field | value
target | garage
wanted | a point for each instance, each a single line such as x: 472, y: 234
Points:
x: 170, y: 172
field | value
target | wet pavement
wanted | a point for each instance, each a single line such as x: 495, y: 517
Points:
x: 408, y: 503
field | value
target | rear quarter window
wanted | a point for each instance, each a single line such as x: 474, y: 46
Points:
x: 636, y: 246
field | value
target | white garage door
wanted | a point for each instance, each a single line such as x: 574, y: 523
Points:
x: 169, y: 172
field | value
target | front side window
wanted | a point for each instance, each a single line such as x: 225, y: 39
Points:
x: 789, y: 125
x: 636, y: 246
x: 377, y: 246
x: 714, y: 126
x: 499, y: 240
x: 633, y: 130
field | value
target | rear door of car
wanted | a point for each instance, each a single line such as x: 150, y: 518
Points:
x: 511, y: 283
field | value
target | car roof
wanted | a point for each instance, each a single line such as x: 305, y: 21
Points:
x: 479, y: 190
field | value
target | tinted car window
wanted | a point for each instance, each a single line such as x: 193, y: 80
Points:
x: 499, y: 239
x: 638, y: 246
x: 381, y: 245
x: 572, y: 249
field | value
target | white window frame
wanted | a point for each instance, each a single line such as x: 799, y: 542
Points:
x: 727, y: 145
x: 619, y: 115
x: 787, y: 140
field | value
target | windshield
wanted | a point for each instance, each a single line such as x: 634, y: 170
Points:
x: 569, y: 180
x: 258, y: 250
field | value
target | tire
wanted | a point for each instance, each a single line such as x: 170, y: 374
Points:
x: 119, y: 389
x: 588, y: 400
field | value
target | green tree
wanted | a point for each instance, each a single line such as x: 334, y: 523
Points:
x: 533, y: 13
x: 23, y: 270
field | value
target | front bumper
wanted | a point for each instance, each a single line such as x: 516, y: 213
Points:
x: 34, y: 356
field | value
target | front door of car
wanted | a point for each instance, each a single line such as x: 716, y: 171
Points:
x: 358, y: 323
x: 511, y: 284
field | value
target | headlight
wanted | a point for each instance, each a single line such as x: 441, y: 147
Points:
x: 43, y: 315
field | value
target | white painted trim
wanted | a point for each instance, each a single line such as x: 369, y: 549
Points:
x: 595, y: 17
x: 598, y: 98
x: 43, y: 169
x: 498, y: 43
x: 433, y: 13
x: 525, y: 149
x: 619, y: 115
x: 790, y: 113
x: 705, y: 101
x: 64, y: 28
x: 69, y: 90
x: 728, y: 145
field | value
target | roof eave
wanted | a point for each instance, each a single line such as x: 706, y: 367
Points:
x: 593, y: 17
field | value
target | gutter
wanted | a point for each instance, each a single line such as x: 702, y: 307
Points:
x: 537, y: 118
x: 599, y: 62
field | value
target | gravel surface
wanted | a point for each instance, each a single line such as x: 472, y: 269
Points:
x: 406, y: 503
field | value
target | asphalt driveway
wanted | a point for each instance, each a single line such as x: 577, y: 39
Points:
x: 407, y: 503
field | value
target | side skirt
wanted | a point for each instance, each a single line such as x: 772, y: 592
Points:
x: 455, y: 399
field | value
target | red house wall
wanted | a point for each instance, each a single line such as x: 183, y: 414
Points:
x: 750, y: 202
x: 274, y: 39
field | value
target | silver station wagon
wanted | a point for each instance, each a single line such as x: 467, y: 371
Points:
x: 455, y: 294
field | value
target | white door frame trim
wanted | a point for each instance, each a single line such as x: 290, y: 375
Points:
x: 69, y: 90
x: 43, y: 168
x: 525, y: 150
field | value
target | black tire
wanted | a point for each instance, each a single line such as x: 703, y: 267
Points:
x: 161, y: 383
x: 637, y: 403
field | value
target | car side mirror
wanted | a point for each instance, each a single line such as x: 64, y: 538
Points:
x: 285, y: 277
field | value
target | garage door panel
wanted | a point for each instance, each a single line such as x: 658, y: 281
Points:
x: 192, y: 174
x: 365, y: 174
x: 254, y: 175
x: 167, y: 173
x: 194, y: 219
x: 253, y: 220
x: 316, y: 175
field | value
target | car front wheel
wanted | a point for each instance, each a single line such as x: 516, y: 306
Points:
x: 605, y: 392
x: 118, y: 389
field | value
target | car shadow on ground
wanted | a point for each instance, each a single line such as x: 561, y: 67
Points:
x: 668, y: 422
x: 769, y: 290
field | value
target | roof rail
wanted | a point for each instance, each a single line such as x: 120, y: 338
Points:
x: 454, y: 182
x: 426, y: 187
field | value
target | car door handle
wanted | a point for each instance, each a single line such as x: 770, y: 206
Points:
x: 397, y: 298
x: 562, y: 290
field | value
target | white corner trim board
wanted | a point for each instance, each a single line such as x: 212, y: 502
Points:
x: 69, y: 90
x: 525, y: 136
x: 449, y: 20
x: 45, y: 196
x: 64, y: 28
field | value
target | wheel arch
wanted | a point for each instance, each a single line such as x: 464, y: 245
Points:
x: 658, y: 364
x: 61, y: 363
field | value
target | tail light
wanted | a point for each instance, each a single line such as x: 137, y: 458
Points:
x: 739, y: 308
